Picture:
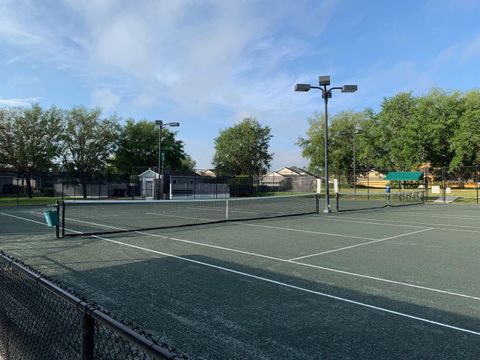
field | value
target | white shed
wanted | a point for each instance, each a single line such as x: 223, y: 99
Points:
x: 148, y: 180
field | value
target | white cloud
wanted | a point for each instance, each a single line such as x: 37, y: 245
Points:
x: 18, y: 101
x: 105, y: 99
x: 181, y: 54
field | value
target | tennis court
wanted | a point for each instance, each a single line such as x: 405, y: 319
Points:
x: 391, y: 283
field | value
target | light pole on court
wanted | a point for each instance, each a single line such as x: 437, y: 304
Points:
x: 161, y: 125
x: 323, y: 82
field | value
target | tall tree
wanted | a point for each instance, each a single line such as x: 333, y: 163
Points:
x: 437, y: 118
x: 243, y: 149
x: 138, y: 148
x: 396, y: 133
x: 89, y: 142
x: 345, y: 128
x: 30, y: 139
x: 465, y: 143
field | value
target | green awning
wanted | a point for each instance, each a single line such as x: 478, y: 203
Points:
x: 404, y: 176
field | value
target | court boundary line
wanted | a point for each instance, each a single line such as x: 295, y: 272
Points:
x: 373, y: 222
x: 272, y: 227
x: 226, y: 222
x: 295, y: 287
x: 357, y: 245
x: 343, y: 272
x: 396, y: 222
x: 466, y: 217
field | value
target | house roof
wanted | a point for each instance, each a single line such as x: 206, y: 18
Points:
x: 296, y: 170
x: 148, y: 171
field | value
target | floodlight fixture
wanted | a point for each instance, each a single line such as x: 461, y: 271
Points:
x: 173, y: 124
x: 324, y: 80
x: 302, y: 87
x: 349, y: 88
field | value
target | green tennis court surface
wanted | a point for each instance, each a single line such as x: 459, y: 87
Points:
x: 393, y: 283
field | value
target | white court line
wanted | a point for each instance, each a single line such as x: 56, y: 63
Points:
x: 446, y: 216
x: 357, y: 245
x: 343, y: 272
x: 376, y: 222
x: 396, y: 222
x: 25, y: 219
x: 275, y: 227
x: 304, y: 231
x: 283, y: 284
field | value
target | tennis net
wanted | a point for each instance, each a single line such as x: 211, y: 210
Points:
x: 352, y: 201
x: 91, y: 217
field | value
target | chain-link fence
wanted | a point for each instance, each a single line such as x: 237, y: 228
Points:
x: 440, y: 184
x: 40, y: 320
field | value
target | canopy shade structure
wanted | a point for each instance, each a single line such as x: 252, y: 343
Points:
x: 404, y: 176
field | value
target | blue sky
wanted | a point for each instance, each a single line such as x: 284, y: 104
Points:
x: 208, y: 64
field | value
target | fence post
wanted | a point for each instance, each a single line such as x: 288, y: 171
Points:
x: 88, y: 337
x: 18, y: 192
x: 63, y: 219
x: 444, y: 186
x: 368, y: 185
x: 476, y: 180
x: 57, y: 228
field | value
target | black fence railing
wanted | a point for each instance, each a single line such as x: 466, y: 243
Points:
x: 441, y: 185
x: 40, y: 320
x: 44, y: 188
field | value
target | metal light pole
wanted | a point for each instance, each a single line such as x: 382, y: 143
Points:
x: 354, y: 165
x: 357, y: 130
x: 324, y: 81
x: 161, y: 125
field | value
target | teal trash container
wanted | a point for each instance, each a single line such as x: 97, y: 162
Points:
x: 51, y: 217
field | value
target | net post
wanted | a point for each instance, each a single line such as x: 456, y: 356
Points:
x: 337, y: 202
x: 476, y: 180
x: 88, y: 337
x: 57, y: 227
x: 63, y: 218
x: 226, y: 209
x: 317, y: 203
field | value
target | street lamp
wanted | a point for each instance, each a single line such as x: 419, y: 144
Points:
x: 355, y: 133
x: 162, y: 125
x: 324, y: 81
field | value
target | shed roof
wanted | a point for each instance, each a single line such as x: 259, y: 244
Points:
x: 404, y: 176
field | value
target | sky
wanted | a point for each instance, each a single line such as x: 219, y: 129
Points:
x: 209, y: 64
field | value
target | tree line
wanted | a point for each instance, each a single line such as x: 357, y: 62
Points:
x: 83, y: 142
x: 439, y: 129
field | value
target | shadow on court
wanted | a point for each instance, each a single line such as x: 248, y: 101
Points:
x: 252, y: 313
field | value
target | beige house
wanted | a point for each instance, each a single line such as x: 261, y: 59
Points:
x: 289, y: 178
x: 373, y: 179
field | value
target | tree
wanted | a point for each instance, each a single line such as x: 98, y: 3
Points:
x: 465, y: 143
x: 396, y: 133
x: 437, y: 117
x: 343, y: 130
x: 30, y: 139
x: 243, y: 149
x: 89, y: 142
x: 138, y: 148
